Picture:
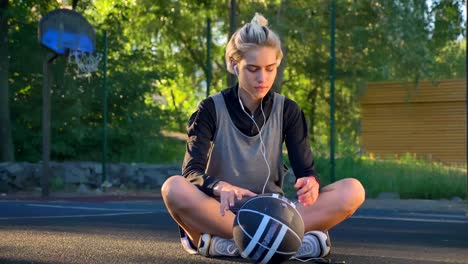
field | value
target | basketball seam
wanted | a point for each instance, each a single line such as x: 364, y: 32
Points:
x: 269, y: 246
x: 265, y: 215
x: 274, y: 196
x: 251, y: 246
x: 275, y: 245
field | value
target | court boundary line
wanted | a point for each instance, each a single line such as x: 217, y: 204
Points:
x: 409, y: 219
x: 86, y: 208
x: 76, y: 216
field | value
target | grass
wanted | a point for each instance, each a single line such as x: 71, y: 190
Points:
x: 407, y: 176
x: 163, y: 150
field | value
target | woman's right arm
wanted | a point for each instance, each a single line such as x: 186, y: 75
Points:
x: 200, y: 131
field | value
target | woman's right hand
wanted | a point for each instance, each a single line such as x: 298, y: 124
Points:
x: 228, y: 194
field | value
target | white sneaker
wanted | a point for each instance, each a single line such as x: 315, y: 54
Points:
x: 214, y: 246
x: 316, y: 244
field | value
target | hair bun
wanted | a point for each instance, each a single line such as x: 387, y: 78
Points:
x: 259, y: 20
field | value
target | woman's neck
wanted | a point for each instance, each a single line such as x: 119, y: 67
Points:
x: 248, y: 101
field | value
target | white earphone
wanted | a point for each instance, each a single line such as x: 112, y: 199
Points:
x: 240, y: 101
x: 262, y: 144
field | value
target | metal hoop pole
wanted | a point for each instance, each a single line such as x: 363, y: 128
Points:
x: 46, y: 124
x: 104, y: 114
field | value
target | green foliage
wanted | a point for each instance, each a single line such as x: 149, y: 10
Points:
x: 157, y: 72
x: 156, y: 150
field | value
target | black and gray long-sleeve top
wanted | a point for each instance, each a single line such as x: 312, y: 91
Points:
x: 202, y: 127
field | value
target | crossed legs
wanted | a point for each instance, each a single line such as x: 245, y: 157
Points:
x: 198, y: 213
x: 194, y: 211
x: 335, y: 203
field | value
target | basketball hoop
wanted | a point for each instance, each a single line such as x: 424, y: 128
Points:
x: 66, y: 32
x: 86, y: 62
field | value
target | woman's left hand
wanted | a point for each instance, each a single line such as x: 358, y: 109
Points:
x: 307, y: 190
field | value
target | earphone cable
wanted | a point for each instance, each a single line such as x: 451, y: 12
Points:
x: 264, y: 148
x: 262, y: 144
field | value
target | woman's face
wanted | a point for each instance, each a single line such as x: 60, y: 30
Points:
x: 256, y: 73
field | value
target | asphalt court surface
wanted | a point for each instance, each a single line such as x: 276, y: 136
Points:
x: 143, y: 232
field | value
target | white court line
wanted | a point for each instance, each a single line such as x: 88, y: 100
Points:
x: 411, y: 219
x: 460, y: 215
x: 75, y: 216
x: 118, y: 212
x: 86, y: 208
x: 133, y: 211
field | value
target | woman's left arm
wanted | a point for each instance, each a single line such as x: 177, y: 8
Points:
x: 296, y: 136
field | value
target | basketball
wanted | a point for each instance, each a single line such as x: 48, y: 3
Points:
x: 268, y: 229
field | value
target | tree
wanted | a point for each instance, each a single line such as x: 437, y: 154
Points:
x: 157, y: 66
x: 6, y: 140
x: 231, y: 79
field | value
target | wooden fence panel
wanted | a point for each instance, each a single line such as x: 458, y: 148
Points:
x: 428, y: 120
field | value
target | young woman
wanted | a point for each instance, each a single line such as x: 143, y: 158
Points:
x: 234, y: 151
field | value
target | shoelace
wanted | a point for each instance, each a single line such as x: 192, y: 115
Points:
x: 304, y: 249
x: 231, y: 249
x: 308, y: 246
x: 226, y: 246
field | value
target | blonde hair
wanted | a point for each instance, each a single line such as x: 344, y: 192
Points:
x: 251, y: 35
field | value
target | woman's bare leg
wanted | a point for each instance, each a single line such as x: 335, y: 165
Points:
x: 335, y: 203
x: 197, y: 213
x: 194, y: 211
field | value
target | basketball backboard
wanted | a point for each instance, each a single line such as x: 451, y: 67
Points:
x: 65, y: 30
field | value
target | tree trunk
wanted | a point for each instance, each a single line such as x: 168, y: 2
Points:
x: 312, y: 98
x: 231, y: 79
x: 278, y: 84
x: 6, y: 140
x: 180, y: 121
x: 74, y: 4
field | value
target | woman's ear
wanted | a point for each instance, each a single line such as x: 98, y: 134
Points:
x: 234, y: 67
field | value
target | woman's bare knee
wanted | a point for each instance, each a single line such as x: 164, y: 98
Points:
x: 193, y: 210
x: 353, y: 195
x: 174, y: 191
